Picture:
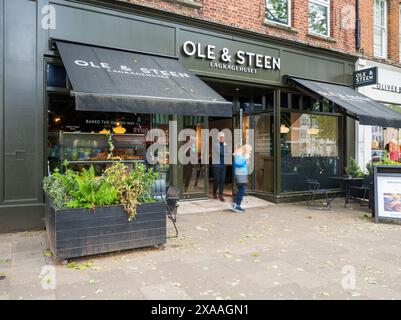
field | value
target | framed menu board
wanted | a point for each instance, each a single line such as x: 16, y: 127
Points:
x: 387, y: 181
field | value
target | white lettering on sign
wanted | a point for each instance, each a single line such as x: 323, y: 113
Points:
x: 148, y: 72
x: 230, y: 61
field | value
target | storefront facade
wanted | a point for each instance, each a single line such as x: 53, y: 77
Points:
x: 296, y: 135
x: 374, y: 143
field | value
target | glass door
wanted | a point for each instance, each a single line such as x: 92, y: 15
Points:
x: 192, y: 174
x: 263, y: 145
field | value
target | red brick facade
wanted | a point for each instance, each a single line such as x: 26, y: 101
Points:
x: 393, y: 30
x: 249, y: 15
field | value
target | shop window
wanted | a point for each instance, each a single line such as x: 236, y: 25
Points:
x: 56, y: 76
x: 380, y: 28
x: 245, y: 104
x: 295, y: 101
x: 270, y: 100
x: 82, y: 138
x: 284, y: 100
x: 263, y: 147
x: 319, y: 17
x: 258, y: 104
x: 386, y: 142
x: 278, y: 11
x: 309, y: 150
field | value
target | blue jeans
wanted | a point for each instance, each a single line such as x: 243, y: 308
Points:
x: 240, y: 194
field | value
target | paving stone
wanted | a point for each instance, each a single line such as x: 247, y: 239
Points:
x: 165, y: 291
x: 276, y: 252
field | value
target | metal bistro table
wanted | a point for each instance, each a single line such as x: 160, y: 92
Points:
x: 346, y: 183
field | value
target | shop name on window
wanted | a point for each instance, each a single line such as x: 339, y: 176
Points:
x: 240, y: 60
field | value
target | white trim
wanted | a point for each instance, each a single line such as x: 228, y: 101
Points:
x: 383, y: 29
x: 324, y: 3
x: 289, y: 2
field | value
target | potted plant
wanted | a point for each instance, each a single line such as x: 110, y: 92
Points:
x: 86, y: 214
x: 353, y: 170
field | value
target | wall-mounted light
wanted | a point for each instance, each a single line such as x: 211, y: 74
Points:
x: 57, y: 120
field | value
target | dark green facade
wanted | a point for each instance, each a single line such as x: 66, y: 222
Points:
x: 25, y: 47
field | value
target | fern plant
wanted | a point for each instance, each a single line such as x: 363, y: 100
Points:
x: 116, y: 185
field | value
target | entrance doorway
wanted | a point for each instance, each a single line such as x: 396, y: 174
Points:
x: 221, y: 124
x: 192, y: 177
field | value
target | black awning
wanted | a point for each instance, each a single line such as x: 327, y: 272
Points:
x: 121, y: 81
x: 361, y: 107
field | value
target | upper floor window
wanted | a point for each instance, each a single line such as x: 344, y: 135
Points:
x: 278, y: 11
x: 380, y: 28
x: 319, y: 17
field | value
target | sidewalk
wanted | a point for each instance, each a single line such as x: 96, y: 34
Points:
x: 205, y: 206
x: 271, y: 252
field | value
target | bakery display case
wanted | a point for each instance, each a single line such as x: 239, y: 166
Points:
x: 84, y: 149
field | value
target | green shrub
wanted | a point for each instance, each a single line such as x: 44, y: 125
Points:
x: 353, y: 169
x: 116, y: 185
x: 384, y: 162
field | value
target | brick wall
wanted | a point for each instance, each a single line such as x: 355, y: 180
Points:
x: 249, y: 15
x: 393, y: 29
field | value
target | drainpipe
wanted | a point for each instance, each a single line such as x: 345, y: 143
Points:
x: 357, y: 27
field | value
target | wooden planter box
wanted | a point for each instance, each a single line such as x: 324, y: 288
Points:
x: 75, y: 233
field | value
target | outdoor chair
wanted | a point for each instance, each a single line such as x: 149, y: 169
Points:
x: 159, y: 190
x: 360, y: 193
x: 314, y: 188
x: 171, y: 197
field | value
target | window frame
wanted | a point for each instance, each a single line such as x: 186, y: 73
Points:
x: 326, y: 4
x: 289, y: 24
x: 384, y: 30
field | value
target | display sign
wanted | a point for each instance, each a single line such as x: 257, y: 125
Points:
x: 365, y: 77
x: 225, y: 59
x: 387, y: 193
x: 387, y: 89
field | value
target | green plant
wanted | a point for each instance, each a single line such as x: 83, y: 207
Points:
x: 133, y: 187
x: 384, y: 162
x: 92, y: 191
x: 116, y: 185
x: 353, y: 169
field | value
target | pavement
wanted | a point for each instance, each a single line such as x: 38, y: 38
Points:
x: 270, y: 252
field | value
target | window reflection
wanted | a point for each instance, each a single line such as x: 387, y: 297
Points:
x: 309, y: 150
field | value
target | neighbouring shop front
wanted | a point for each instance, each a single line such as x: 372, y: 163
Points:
x: 126, y: 70
x: 376, y: 143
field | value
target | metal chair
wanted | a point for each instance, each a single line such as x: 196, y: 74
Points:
x: 360, y: 190
x: 170, y: 196
x: 159, y: 190
x: 314, y: 188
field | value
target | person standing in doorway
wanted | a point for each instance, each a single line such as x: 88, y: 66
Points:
x: 241, y: 159
x: 219, y: 161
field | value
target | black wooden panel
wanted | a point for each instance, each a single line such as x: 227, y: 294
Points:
x: 105, y: 239
x: 112, y: 228
x: 80, y: 232
x: 110, y: 247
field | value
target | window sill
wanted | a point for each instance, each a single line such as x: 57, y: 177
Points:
x: 321, y: 37
x: 197, y: 4
x: 279, y: 26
